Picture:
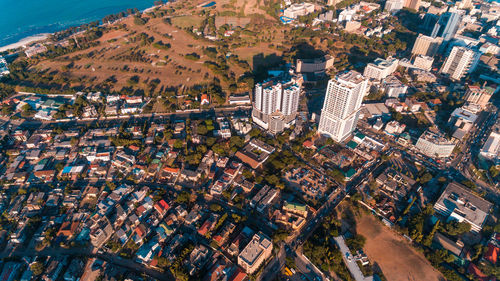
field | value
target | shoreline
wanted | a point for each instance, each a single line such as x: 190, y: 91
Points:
x: 43, y: 36
x: 25, y: 41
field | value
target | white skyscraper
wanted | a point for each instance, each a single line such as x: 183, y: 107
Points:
x: 461, y: 61
x: 276, y: 104
x: 343, y: 98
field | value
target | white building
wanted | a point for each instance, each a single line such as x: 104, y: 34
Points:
x: 393, y: 128
x: 392, y: 6
x: 423, y: 62
x: 4, y: 70
x: 434, y: 145
x: 276, y: 104
x: 381, y: 68
x: 255, y: 253
x: 461, y: 61
x: 297, y: 10
x: 340, y: 112
x: 491, y: 148
x: 457, y: 203
x: 393, y: 87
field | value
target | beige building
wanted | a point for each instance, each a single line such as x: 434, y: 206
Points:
x: 426, y: 45
x: 255, y: 253
x: 478, y: 95
x: 423, y: 62
x: 314, y: 65
x: 412, y: 4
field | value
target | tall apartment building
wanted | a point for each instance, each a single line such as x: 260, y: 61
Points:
x: 255, y: 253
x: 462, y: 60
x: 426, y: 45
x: 276, y: 104
x: 478, y: 95
x: 381, y: 68
x: 394, y: 5
x: 434, y: 145
x: 412, y: 4
x: 447, y: 25
x: 343, y: 98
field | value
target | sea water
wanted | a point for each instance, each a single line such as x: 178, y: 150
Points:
x: 23, y: 18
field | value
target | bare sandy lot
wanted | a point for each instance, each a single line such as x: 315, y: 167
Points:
x: 395, y: 257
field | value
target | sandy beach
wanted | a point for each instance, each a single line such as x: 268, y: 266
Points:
x: 25, y: 41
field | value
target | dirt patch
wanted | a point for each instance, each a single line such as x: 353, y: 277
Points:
x: 113, y: 35
x: 395, y: 257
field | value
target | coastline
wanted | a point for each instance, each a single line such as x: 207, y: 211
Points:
x: 43, y: 36
x: 25, y: 41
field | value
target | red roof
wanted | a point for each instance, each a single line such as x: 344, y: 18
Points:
x: 133, y: 147
x: 239, y: 275
x: 171, y: 170
x: 204, y: 228
x: 492, y: 254
x: 473, y: 269
x: 308, y: 144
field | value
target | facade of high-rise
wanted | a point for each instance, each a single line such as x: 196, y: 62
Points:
x: 343, y: 98
x: 447, y: 26
x: 434, y: 144
x: 462, y: 60
x: 381, y: 68
x: 426, y: 45
x: 276, y: 104
x: 394, y: 5
x: 412, y: 4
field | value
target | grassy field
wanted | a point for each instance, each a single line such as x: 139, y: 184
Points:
x: 187, y: 21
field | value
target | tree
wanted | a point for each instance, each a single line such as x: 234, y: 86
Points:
x: 356, y: 243
x: 201, y: 129
x: 178, y: 144
x: 215, y: 207
x: 37, y: 268
x: 425, y: 178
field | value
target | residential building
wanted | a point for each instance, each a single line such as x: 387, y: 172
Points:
x: 392, y: 6
x: 462, y: 60
x: 447, y: 26
x: 340, y: 111
x: 458, y: 203
x: 276, y: 104
x: 314, y: 65
x: 296, y: 10
x: 412, y: 4
x: 393, y: 87
x: 255, y: 253
x: 434, y: 144
x: 4, y: 69
x: 423, y: 62
x: 491, y: 148
x: 426, y: 45
x: 479, y: 95
x: 381, y: 68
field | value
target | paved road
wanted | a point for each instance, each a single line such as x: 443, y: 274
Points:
x: 87, y: 252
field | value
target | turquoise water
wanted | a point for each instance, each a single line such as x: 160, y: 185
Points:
x: 22, y: 18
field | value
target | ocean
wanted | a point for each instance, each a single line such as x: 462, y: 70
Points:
x: 24, y: 18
